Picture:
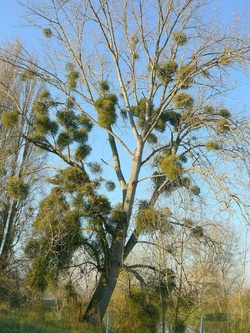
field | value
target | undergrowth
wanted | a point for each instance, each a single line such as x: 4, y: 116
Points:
x: 23, y: 322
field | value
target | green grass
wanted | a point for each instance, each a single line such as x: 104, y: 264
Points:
x: 23, y: 322
x: 14, y: 326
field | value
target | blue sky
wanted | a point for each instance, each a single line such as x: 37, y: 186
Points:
x: 10, y: 22
x: 12, y: 26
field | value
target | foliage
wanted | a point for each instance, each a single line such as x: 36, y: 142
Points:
x: 211, y: 145
x: 106, y: 109
x: 180, y: 326
x: 196, y: 190
x: 104, y: 86
x: 61, y: 232
x: 10, y: 292
x: 142, y: 315
x: 171, y: 166
x: 10, y: 119
x: 47, y: 32
x: 72, y: 79
x: 28, y: 74
x: 183, y: 100
x: 223, y: 126
x: 179, y: 38
x: 186, y: 74
x: 149, y: 220
x: 224, y: 113
x: 17, y: 189
x: 166, y: 71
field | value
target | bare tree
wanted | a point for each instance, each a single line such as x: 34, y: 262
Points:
x: 19, y: 159
x: 149, y: 79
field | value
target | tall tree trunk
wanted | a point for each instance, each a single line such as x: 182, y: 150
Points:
x: 101, y: 298
x: 8, y: 234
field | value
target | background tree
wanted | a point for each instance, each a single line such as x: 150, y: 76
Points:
x: 19, y: 159
x: 145, y: 79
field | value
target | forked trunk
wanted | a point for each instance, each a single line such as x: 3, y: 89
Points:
x: 100, y: 300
